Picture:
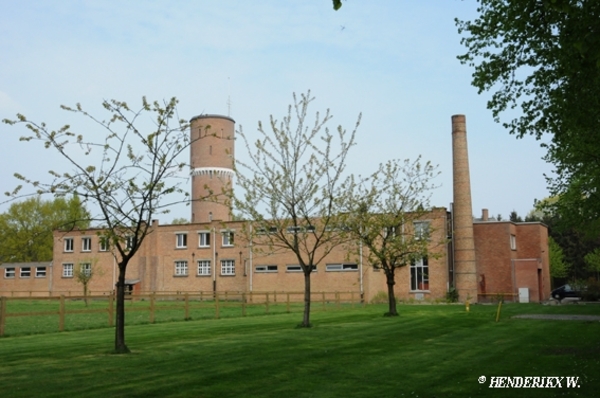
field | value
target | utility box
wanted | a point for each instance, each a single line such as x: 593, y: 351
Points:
x: 523, y: 295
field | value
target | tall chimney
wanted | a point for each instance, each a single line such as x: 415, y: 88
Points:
x: 465, y: 269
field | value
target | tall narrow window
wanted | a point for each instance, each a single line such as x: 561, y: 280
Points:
x: 419, y: 274
x: 204, y: 239
x: 181, y: 241
x: 103, y: 246
x: 513, y: 242
x: 227, y: 238
x: 86, y: 244
x: 68, y: 244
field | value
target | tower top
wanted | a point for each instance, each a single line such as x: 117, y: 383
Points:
x: 209, y: 116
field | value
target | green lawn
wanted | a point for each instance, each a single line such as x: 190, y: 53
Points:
x: 428, y: 351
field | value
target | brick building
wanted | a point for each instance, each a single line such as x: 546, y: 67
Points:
x: 482, y: 258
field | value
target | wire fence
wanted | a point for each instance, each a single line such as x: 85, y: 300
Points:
x: 32, y: 315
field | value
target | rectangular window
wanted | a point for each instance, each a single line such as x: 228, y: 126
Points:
x: 266, y: 231
x: 103, y: 246
x: 9, y: 272
x: 203, y: 239
x: 68, y: 244
x: 266, y: 268
x: 513, y: 242
x: 297, y: 268
x: 227, y: 267
x: 203, y: 267
x: 129, y: 243
x: 25, y: 272
x: 419, y: 274
x: 181, y: 268
x: 181, y: 241
x: 40, y: 272
x: 341, y: 267
x: 85, y: 269
x: 227, y: 238
x: 86, y: 244
x: 67, y: 270
x: 421, y: 230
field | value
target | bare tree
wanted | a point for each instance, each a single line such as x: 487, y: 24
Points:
x: 292, y: 187
x: 128, y: 176
x: 385, y: 213
x: 84, y: 273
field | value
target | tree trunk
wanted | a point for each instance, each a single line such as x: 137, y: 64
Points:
x: 306, y: 317
x: 85, y: 299
x: 392, y: 311
x: 120, y: 347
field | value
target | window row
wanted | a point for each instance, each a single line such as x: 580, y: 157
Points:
x: 204, y: 268
x: 86, y: 244
x: 181, y: 239
x: 25, y: 272
x: 69, y: 270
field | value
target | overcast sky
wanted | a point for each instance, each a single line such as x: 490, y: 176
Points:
x: 394, y: 61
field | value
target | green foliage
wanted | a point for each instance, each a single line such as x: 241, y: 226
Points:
x: 592, y: 261
x: 452, y: 295
x: 559, y: 268
x: 543, y: 56
x: 380, y: 298
x: 591, y: 290
x: 337, y: 4
x: 26, y: 227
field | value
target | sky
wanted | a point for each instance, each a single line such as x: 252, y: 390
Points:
x: 394, y: 61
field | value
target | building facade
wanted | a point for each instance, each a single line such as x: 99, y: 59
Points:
x: 482, y: 259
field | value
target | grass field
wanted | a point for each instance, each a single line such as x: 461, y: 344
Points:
x: 428, y: 351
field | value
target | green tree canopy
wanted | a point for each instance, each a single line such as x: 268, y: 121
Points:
x: 26, y: 227
x: 543, y: 57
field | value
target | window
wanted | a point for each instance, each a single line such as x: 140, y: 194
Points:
x: 68, y: 244
x: 419, y: 274
x: 227, y: 238
x: 40, y: 272
x: 181, y: 268
x: 265, y: 231
x: 266, y: 268
x: 513, y: 242
x: 297, y: 268
x: 25, y: 272
x: 85, y: 269
x: 86, y: 244
x: 67, y: 270
x: 181, y: 241
x: 9, y: 272
x: 103, y: 247
x: 341, y: 267
x: 227, y: 267
x: 204, y: 239
x: 203, y: 267
x: 421, y: 230
x: 129, y: 242
x: 389, y: 231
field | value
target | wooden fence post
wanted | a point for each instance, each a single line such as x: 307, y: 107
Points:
x: 288, y: 303
x: 243, y: 304
x: 187, y: 307
x: 152, y: 307
x: 61, y: 314
x: 2, y: 315
x: 217, y: 315
x: 267, y: 303
x: 111, y: 309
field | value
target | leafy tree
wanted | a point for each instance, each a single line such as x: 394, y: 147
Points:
x: 84, y: 274
x: 337, y: 4
x: 514, y: 217
x: 559, y: 268
x: 26, y: 227
x: 292, y: 187
x: 131, y: 180
x: 592, y: 261
x: 383, y: 211
x: 543, y: 56
x: 180, y: 220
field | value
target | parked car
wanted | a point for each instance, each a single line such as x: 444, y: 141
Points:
x: 565, y: 291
